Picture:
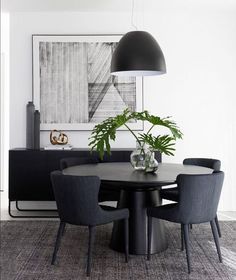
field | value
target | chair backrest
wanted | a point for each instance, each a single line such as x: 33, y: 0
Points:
x: 72, y: 161
x: 199, y: 196
x: 205, y: 162
x: 76, y: 198
x: 124, y: 156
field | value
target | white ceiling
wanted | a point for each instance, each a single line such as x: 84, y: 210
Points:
x: 107, y: 5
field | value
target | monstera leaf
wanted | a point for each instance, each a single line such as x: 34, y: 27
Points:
x: 164, y: 144
x: 104, y: 132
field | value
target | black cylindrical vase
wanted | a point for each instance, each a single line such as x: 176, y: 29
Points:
x: 30, y: 108
x: 36, y: 130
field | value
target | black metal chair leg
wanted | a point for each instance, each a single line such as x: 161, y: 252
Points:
x: 126, y: 240
x: 191, y: 226
x: 186, y: 240
x: 63, y: 229
x: 90, y: 248
x: 57, y: 243
x: 218, y: 226
x: 149, y: 237
x: 216, y: 238
x: 182, y: 237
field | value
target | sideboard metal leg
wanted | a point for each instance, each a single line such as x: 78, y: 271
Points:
x: 31, y: 210
x: 35, y: 210
x: 9, y: 210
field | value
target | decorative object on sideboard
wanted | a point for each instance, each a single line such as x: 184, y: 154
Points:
x: 106, y: 131
x: 32, y: 127
x: 30, y: 108
x: 66, y: 147
x: 36, y: 130
x: 58, y: 137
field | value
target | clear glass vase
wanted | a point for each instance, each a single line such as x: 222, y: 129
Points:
x: 142, y: 158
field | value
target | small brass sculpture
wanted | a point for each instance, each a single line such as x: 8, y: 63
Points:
x: 59, y: 139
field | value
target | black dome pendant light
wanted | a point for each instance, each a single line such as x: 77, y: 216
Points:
x: 138, y: 54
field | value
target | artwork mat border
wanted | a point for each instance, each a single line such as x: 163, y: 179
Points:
x: 36, y: 38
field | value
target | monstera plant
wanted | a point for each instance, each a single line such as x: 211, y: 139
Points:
x: 105, y: 132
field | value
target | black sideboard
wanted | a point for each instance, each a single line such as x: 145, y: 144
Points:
x: 29, y: 171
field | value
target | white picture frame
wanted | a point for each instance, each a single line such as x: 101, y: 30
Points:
x: 72, y: 72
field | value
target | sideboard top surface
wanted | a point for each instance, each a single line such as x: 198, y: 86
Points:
x: 74, y: 149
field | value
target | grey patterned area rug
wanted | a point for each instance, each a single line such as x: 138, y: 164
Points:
x: 26, y: 251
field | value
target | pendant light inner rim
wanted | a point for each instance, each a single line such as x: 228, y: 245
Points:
x: 137, y: 73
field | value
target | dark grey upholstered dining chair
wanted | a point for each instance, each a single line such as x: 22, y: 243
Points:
x: 106, y: 193
x: 77, y: 203
x: 198, y: 201
x: 173, y: 193
x: 72, y: 161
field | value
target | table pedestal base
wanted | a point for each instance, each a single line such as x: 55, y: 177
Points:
x: 137, y: 202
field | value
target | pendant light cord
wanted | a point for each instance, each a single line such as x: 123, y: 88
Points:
x: 132, y: 17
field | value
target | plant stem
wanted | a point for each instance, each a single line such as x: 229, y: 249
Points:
x: 150, y: 128
x: 147, y: 133
x: 133, y: 134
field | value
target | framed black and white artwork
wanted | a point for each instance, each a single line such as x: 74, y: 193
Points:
x: 72, y: 85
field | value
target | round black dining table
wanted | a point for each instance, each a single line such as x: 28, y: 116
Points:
x: 139, y: 190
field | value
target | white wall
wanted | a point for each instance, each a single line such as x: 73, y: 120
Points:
x: 4, y: 111
x: 198, y: 90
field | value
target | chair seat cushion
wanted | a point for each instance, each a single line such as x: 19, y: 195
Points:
x: 170, y: 194
x: 167, y: 212
x: 110, y: 214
